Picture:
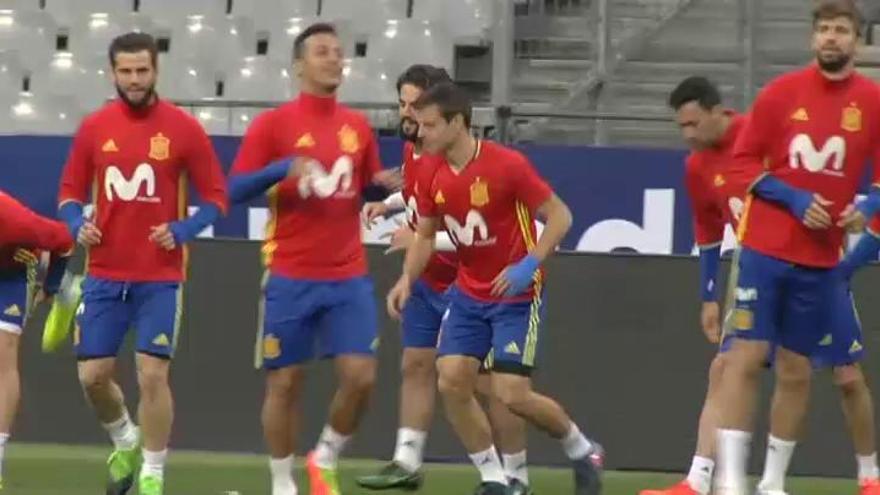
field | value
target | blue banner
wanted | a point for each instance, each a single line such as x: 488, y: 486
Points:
x: 623, y: 199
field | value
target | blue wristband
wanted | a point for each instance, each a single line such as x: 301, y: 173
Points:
x: 187, y: 230
x: 521, y: 274
x: 709, y: 260
x: 244, y: 187
x: 71, y: 213
x: 773, y: 189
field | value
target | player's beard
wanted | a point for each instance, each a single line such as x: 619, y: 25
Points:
x: 137, y: 105
x: 835, y: 64
x: 412, y: 136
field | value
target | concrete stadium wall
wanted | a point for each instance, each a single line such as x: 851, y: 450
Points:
x: 621, y: 348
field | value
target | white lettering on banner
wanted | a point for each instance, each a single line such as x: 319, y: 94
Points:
x: 728, y: 243
x: 323, y: 184
x: 257, y: 220
x: 474, y: 232
x: 655, y: 237
x: 207, y: 232
x: 746, y: 295
x: 802, y: 152
x: 128, y: 189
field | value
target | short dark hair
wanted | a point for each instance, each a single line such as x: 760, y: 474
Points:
x: 832, y: 9
x: 698, y: 89
x: 423, y: 76
x: 132, y: 43
x: 316, y: 28
x: 450, y: 99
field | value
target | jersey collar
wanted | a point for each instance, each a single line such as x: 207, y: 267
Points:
x: 317, y: 105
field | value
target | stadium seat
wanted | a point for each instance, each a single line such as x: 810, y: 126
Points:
x: 90, y: 39
x: 241, y: 119
x: 213, y: 44
x: 183, y: 80
x: 215, y: 120
x: 465, y: 20
x: 34, y: 114
x: 11, y: 73
x: 31, y: 34
x: 169, y: 13
x: 66, y: 77
x: 259, y: 78
x: 406, y: 42
x: 266, y: 12
x: 365, y: 16
x: 20, y: 5
x: 69, y: 13
x: 367, y: 81
x: 283, y: 32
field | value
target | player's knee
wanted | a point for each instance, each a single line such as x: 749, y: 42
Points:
x: 418, y: 367
x: 716, y: 370
x: 8, y: 351
x: 283, y: 383
x: 454, y: 387
x: 850, y: 380
x: 359, y: 383
x: 152, y: 379
x: 793, y: 375
x: 511, y: 390
x: 94, y: 377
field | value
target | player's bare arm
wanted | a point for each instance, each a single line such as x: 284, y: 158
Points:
x: 417, y: 256
x: 516, y: 278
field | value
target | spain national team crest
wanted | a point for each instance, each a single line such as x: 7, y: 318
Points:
x: 852, y: 119
x: 479, y: 193
x: 719, y: 180
x: 271, y: 347
x: 348, y: 140
x: 160, y: 147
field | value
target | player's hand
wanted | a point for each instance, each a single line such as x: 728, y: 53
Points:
x: 162, y: 235
x: 817, y: 217
x: 516, y: 278
x: 391, y: 180
x: 397, y: 297
x: 89, y: 235
x: 852, y: 220
x: 401, y: 239
x: 710, y: 320
x: 299, y: 167
x: 372, y: 211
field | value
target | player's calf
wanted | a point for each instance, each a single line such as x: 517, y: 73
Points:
x: 10, y: 389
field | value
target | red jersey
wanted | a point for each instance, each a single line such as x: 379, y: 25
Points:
x: 488, y: 210
x: 314, y: 227
x: 715, y: 200
x: 443, y: 267
x: 135, y: 164
x: 23, y: 233
x: 814, y: 134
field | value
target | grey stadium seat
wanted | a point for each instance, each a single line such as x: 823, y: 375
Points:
x: 464, y: 19
x: 259, y: 78
x: 406, y: 42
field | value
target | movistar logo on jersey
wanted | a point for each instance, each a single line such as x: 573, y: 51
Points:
x: 829, y: 159
x: 323, y: 184
x: 474, y: 232
x: 140, y: 187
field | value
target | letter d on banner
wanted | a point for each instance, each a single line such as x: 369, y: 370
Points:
x: 655, y: 237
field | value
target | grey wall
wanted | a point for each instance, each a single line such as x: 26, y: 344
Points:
x: 621, y: 349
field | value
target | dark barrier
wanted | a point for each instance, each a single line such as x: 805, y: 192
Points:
x: 621, y: 348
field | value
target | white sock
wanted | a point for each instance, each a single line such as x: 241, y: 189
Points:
x: 776, y: 463
x: 515, y: 467
x: 700, y: 475
x: 410, y: 447
x: 329, y: 447
x: 733, y: 453
x: 282, y: 476
x: 123, y: 432
x: 489, y: 465
x: 154, y: 463
x: 867, y: 466
x: 4, y: 437
x: 575, y: 444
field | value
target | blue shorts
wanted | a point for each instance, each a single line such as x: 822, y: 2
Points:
x: 304, y: 318
x: 109, y: 309
x: 422, y: 316
x: 842, y: 344
x: 510, y: 330
x: 782, y: 303
x: 16, y: 298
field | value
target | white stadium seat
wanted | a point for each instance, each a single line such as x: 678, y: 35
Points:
x: 35, y: 114
x: 241, y: 119
x: 71, y: 12
x: 463, y: 19
x: 265, y: 13
x: 66, y: 77
x: 367, y: 81
x: 215, y: 120
x: 213, y: 44
x: 90, y: 39
x: 169, y: 13
x: 259, y: 78
x: 11, y: 73
x: 282, y: 33
x: 20, y: 5
x: 366, y: 16
x: 183, y: 80
x: 407, y: 42
x: 31, y: 34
